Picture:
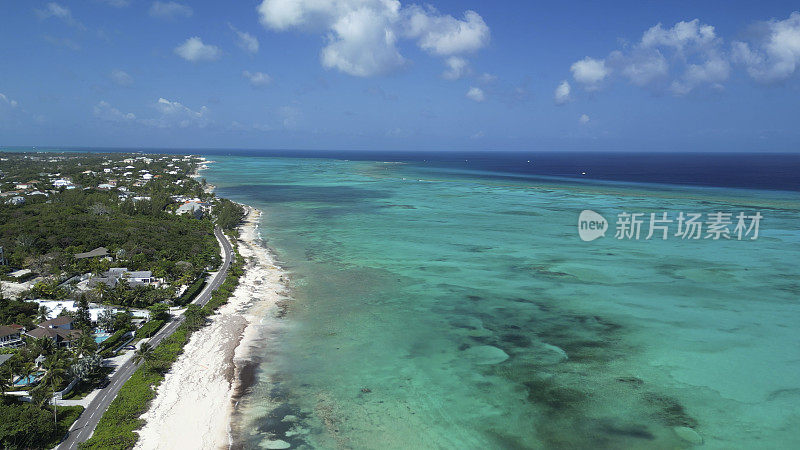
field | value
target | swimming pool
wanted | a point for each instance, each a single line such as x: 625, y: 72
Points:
x: 100, y: 337
x: 30, y: 379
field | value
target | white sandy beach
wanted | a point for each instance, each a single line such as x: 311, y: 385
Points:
x: 193, y: 405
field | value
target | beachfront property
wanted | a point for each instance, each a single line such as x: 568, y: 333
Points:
x: 11, y: 336
x: 194, y: 207
x: 113, y: 276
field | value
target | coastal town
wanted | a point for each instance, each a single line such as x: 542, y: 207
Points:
x: 102, y: 258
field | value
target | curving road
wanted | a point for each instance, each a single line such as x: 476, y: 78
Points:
x: 83, y: 428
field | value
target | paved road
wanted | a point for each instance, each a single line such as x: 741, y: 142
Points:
x: 83, y: 428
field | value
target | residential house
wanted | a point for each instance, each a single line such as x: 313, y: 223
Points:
x: 11, y: 337
x: 60, y: 330
x: 133, y: 278
x: 194, y: 207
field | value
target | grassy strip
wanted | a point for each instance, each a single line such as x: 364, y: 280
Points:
x: 67, y: 415
x: 191, y: 292
x: 116, y: 428
x: 108, y: 346
x: 149, y: 329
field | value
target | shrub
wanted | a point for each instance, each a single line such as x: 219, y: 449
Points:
x: 192, y: 291
x: 149, y: 329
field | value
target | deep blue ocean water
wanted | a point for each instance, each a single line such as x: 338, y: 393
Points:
x: 773, y: 171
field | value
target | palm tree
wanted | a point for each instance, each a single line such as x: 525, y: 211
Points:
x: 101, y: 289
x: 44, y: 346
x: 54, y: 377
x: 84, y: 344
x: 5, y: 381
x: 43, y: 313
x: 143, y: 353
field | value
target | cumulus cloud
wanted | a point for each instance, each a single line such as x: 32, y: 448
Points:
x: 476, y: 93
x: 589, y: 71
x: 195, y: 50
x: 679, y: 59
x: 247, y: 41
x: 561, y: 94
x: 257, y: 79
x: 444, y: 34
x: 457, y: 67
x: 61, y: 12
x: 362, y: 36
x: 583, y: 119
x: 121, y: 78
x: 104, y: 111
x: 774, y: 54
x: 170, y: 10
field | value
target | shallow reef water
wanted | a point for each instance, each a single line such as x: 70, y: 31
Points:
x: 433, y: 309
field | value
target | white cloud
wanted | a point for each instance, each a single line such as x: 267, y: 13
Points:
x: 63, y: 13
x: 7, y: 101
x: 641, y: 67
x: 457, y: 67
x: 362, y: 36
x: 444, y: 34
x: 487, y: 78
x: 679, y: 59
x: 170, y: 114
x: 121, y: 78
x: 257, y: 79
x: 247, y: 41
x: 583, y: 119
x: 589, y: 71
x: 104, y: 111
x: 561, y: 94
x: 680, y: 36
x: 117, y: 3
x: 170, y: 10
x: 362, y: 44
x: 775, y: 54
x: 476, y: 93
x: 195, y: 50
x: 174, y: 114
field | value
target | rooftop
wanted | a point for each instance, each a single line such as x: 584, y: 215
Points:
x: 99, y: 251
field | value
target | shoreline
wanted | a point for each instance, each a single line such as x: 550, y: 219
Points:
x: 195, y: 404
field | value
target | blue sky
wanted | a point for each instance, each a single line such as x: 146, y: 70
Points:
x: 388, y: 75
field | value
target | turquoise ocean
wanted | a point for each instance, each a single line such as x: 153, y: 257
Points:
x: 443, y: 308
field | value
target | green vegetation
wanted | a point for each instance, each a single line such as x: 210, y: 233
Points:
x: 149, y: 329
x: 191, y: 292
x: 116, y: 429
x: 72, y: 204
x: 26, y: 426
x: 115, y: 340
